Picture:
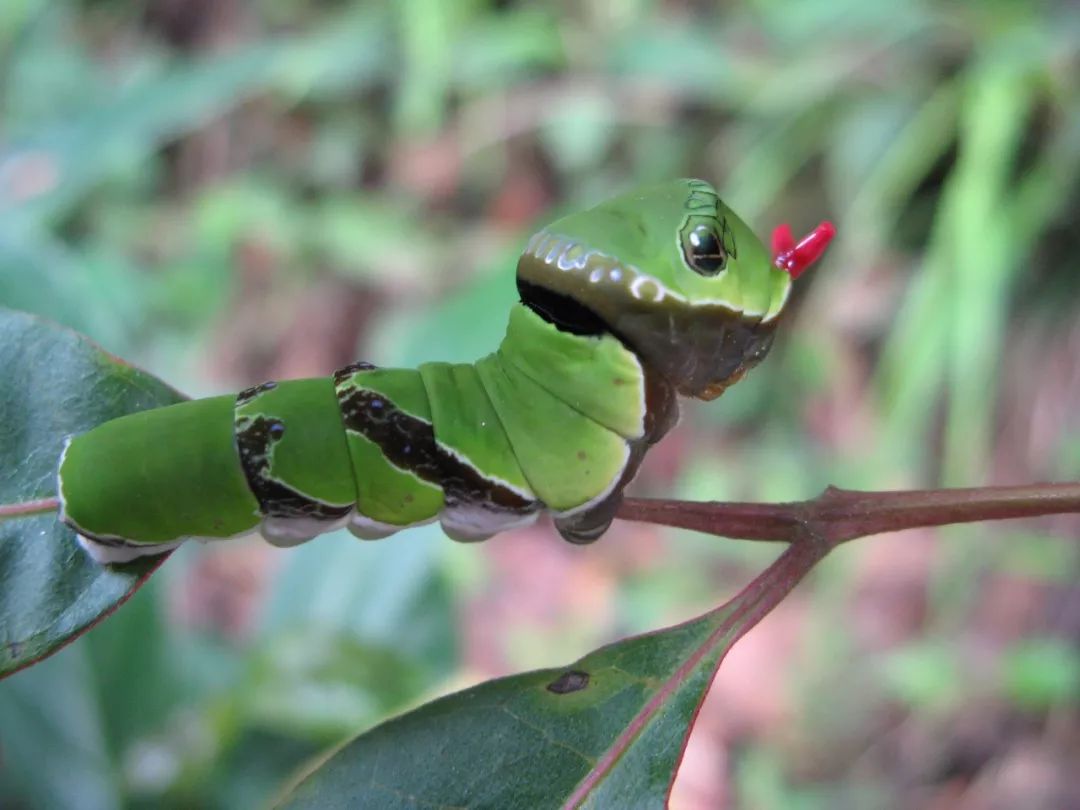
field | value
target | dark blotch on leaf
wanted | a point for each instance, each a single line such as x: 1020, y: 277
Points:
x: 573, y: 680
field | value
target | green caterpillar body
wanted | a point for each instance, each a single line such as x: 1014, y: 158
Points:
x: 655, y: 293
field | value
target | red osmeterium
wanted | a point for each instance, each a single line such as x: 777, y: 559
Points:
x: 796, y: 258
x: 782, y: 240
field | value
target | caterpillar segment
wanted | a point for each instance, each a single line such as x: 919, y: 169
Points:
x: 434, y: 471
x: 290, y: 442
x: 143, y: 483
x: 660, y: 293
x: 482, y: 448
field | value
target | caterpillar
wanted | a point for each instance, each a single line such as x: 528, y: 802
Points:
x: 655, y: 294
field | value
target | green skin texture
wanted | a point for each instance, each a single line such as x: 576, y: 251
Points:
x: 556, y: 419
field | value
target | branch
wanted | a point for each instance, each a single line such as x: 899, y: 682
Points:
x: 838, y: 515
x: 812, y: 528
x: 835, y: 516
x: 27, y: 508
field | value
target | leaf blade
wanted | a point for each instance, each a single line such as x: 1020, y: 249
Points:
x: 607, y: 731
x: 55, y: 384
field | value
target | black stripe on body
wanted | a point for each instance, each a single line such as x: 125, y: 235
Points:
x: 409, y: 444
x: 248, y: 395
x: 255, y: 438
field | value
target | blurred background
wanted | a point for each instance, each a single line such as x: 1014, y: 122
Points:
x: 225, y: 191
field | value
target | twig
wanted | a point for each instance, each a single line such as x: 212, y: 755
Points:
x: 838, y: 515
x: 812, y: 528
x: 26, y: 508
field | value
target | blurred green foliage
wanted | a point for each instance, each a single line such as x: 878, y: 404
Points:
x: 227, y: 191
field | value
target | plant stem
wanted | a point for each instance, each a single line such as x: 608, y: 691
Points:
x: 27, y: 508
x: 812, y: 528
x: 838, y: 515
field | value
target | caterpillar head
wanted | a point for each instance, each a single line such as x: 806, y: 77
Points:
x: 675, y: 274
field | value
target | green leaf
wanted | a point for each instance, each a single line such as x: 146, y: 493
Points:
x: 350, y: 633
x: 53, y: 738
x: 320, y: 684
x: 1039, y: 673
x: 75, y: 153
x: 580, y: 131
x: 51, y: 165
x: 605, y: 731
x: 55, y: 384
x: 381, y: 594
x: 499, y: 51
x: 407, y: 336
x: 925, y: 676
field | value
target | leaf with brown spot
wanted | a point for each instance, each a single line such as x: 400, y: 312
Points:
x: 573, y: 680
x: 608, y: 731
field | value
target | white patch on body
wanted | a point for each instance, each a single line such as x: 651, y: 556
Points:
x: 289, y: 532
x: 533, y: 241
x: 564, y: 253
x: 553, y: 251
x: 365, y: 528
x: 572, y: 258
x: 471, y: 523
x: 131, y: 550
x: 115, y: 555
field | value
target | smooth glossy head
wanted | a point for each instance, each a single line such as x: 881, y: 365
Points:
x: 673, y: 272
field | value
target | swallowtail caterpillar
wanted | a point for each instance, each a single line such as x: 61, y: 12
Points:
x: 654, y: 294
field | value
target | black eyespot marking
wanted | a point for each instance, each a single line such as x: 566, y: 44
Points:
x: 276, y: 430
x: 706, y: 254
x: 706, y: 244
x: 573, y: 680
x: 706, y: 238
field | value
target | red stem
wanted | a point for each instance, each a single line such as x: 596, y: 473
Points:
x: 14, y: 510
x: 839, y: 515
x: 812, y: 528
